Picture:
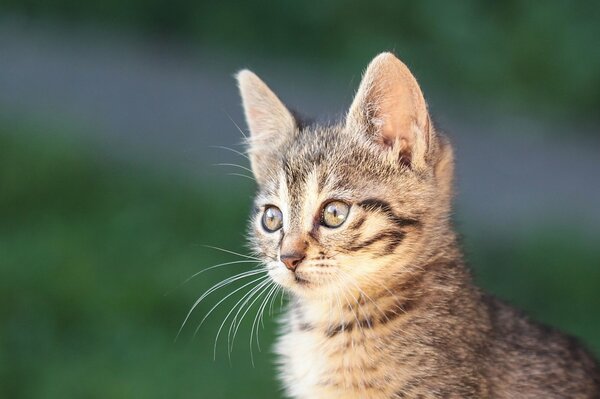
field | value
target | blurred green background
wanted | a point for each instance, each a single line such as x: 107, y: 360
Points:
x: 545, y: 56
x: 95, y: 237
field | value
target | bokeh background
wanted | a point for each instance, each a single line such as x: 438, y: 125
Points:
x: 111, y: 118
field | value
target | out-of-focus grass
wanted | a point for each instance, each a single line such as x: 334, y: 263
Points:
x: 88, y: 250
x: 87, y: 253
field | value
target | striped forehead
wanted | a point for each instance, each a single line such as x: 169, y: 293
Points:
x: 301, y: 191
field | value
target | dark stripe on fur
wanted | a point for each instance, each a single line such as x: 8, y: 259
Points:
x: 305, y: 327
x: 377, y: 205
x: 357, y: 224
x: 393, y: 236
x: 335, y: 330
x: 399, y: 308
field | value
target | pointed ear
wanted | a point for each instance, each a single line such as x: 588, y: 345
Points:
x: 391, y: 109
x: 269, y: 121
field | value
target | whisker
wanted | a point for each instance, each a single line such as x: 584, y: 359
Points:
x: 187, y: 280
x: 223, y: 300
x: 236, y: 125
x: 358, y: 324
x: 260, y: 291
x: 351, y: 280
x: 281, y: 299
x: 259, y: 316
x: 263, y: 281
x: 373, y: 301
x: 341, y: 314
x: 232, y: 150
x: 254, y: 322
x: 361, y: 292
x: 235, y: 323
x: 212, y: 289
x: 230, y: 280
x: 273, y: 301
x: 235, y: 165
x: 329, y: 324
x: 242, y: 175
x: 232, y: 252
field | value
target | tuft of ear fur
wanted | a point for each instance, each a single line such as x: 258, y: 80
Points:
x: 389, y: 106
x: 269, y: 121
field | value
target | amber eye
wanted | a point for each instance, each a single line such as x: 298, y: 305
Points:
x: 335, y: 214
x: 272, y: 219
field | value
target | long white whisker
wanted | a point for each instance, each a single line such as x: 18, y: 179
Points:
x: 238, y: 128
x: 232, y: 150
x: 187, y: 280
x: 232, y: 252
x: 254, y: 322
x: 259, y: 314
x: 241, y: 175
x: 223, y: 300
x: 273, y: 301
x: 258, y: 288
x: 229, y: 280
x: 235, y: 165
x: 212, y: 289
x: 235, y: 324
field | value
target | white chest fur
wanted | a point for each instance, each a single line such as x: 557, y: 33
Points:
x: 341, y: 360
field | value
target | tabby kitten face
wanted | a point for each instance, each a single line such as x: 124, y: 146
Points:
x: 346, y: 208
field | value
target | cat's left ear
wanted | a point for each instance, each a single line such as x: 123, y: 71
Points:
x: 269, y: 122
x: 390, y: 108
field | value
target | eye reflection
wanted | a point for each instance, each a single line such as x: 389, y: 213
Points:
x: 335, y: 214
x: 272, y: 219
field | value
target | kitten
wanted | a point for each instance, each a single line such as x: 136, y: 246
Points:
x: 353, y: 220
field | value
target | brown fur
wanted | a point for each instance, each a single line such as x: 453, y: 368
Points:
x: 383, y: 306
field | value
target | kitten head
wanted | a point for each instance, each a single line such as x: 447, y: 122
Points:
x: 348, y: 207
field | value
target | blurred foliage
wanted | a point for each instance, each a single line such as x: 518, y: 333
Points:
x: 88, y: 251
x: 536, y: 55
x: 87, y: 255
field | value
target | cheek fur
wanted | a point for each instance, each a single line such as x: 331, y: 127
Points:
x: 266, y: 244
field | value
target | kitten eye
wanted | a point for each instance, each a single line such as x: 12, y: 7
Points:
x: 335, y: 213
x: 272, y: 219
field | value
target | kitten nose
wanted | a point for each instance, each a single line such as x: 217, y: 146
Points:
x: 292, y: 260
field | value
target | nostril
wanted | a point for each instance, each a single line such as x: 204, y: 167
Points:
x: 292, y: 261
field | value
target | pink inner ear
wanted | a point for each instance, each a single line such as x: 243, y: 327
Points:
x: 389, y: 103
x: 397, y: 125
x: 399, y: 108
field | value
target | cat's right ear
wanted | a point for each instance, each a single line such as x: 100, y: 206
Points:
x: 269, y: 122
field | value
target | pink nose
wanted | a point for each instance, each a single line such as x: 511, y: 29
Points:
x: 292, y: 260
